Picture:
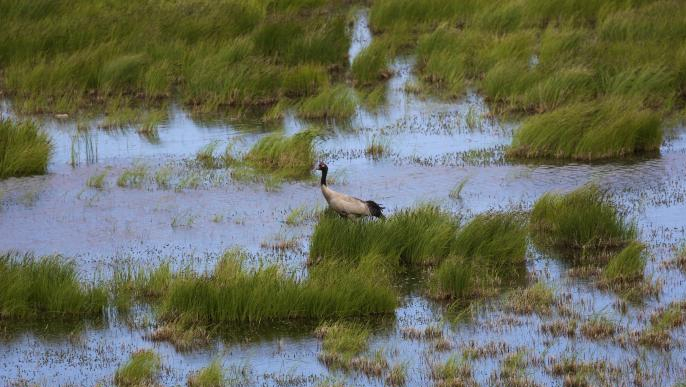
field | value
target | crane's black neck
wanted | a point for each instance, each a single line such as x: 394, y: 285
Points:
x: 324, y: 171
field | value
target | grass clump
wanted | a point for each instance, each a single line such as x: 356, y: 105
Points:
x: 537, y: 298
x: 335, y: 102
x: 210, y: 376
x: 286, y: 157
x: 627, y: 266
x: 156, y: 51
x: 661, y: 323
x: 420, y: 236
x: 397, y: 375
x: 582, y: 225
x: 488, y: 251
x: 377, y: 148
x: 341, y: 342
x: 305, y: 80
x: 453, y: 372
x: 234, y: 294
x: 598, y: 328
x: 205, y: 156
x: 133, y: 177
x: 97, y: 181
x: 142, y: 369
x: 588, y: 131
x: 24, y: 149
x: 46, y: 289
x: 371, y: 64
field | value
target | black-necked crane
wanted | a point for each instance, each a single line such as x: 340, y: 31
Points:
x: 346, y: 205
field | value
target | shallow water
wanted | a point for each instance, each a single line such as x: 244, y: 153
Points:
x: 434, y: 145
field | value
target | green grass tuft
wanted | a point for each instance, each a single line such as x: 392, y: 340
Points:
x: 418, y: 236
x: 46, y: 289
x: 210, y: 376
x: 486, y: 252
x: 142, y: 369
x: 371, y: 64
x: 342, y: 341
x: 627, y: 266
x: 588, y: 131
x: 24, y: 149
x: 580, y: 225
x: 97, y: 181
x: 287, y: 157
x: 334, y: 102
x: 233, y: 294
x: 133, y: 177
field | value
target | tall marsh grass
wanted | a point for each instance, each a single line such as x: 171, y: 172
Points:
x: 580, y: 225
x: 589, y: 131
x: 47, y: 288
x: 24, y: 149
x: 597, y: 77
x: 157, y: 50
x: 287, y: 157
x: 142, y: 369
x: 486, y: 252
x: 235, y: 294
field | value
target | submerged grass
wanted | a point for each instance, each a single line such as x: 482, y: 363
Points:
x: 582, y: 225
x: 142, y: 369
x: 47, y: 289
x: 24, y: 149
x: 234, y: 294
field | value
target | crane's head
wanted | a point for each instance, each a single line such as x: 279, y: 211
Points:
x: 322, y: 166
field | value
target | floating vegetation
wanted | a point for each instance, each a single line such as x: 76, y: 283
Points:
x: 142, y: 369
x: 582, y: 225
x: 24, y: 149
x: 46, y: 289
x: 300, y: 215
x: 183, y: 338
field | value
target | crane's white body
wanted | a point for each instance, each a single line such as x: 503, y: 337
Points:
x: 345, y: 205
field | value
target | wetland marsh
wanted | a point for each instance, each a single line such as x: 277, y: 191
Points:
x: 533, y: 184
